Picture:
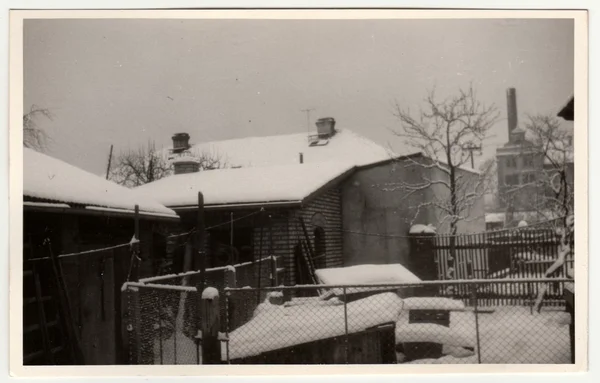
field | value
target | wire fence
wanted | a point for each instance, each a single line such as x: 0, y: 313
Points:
x: 162, y: 313
x: 399, y: 324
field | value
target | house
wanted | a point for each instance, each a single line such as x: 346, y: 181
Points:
x: 70, y: 213
x: 333, y: 181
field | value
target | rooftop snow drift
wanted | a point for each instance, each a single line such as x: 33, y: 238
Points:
x: 49, y: 179
x: 345, y: 146
x: 260, y: 185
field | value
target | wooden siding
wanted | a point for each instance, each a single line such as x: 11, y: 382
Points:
x: 282, y: 234
x: 329, y: 206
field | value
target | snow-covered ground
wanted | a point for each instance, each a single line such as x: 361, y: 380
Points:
x: 509, y: 335
x: 512, y: 335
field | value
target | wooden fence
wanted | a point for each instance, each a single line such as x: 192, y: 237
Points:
x: 517, y: 254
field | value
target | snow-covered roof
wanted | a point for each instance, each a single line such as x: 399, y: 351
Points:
x: 48, y: 179
x: 365, y: 275
x: 343, y: 146
x: 290, y: 183
x: 494, y: 217
x: 422, y: 229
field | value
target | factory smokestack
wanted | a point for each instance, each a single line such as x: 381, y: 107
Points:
x: 511, y: 109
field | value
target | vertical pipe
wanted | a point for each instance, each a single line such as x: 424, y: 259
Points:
x: 160, y: 337
x: 346, y: 345
x: 259, y: 258
x: 200, y: 257
x: 231, y: 260
x: 475, y: 310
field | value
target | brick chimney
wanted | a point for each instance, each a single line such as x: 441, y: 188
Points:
x: 186, y: 163
x: 183, y: 161
x: 511, y: 109
x: 325, y: 127
x: 181, y: 142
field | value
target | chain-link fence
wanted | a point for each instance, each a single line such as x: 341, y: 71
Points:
x: 398, y: 324
x: 162, y: 314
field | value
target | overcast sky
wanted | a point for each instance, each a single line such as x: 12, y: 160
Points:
x: 125, y: 82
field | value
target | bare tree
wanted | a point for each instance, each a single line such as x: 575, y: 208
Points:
x: 552, y: 184
x: 147, y: 164
x: 445, y: 132
x: 33, y: 136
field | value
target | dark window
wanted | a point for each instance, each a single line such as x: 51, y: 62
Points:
x: 528, y: 178
x: 528, y: 161
x: 511, y: 162
x: 511, y: 179
x: 320, y: 247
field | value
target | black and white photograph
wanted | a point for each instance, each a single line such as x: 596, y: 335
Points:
x: 310, y: 190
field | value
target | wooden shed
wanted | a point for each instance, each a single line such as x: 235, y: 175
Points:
x: 69, y: 216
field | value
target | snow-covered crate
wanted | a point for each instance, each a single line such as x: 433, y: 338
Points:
x: 392, y: 274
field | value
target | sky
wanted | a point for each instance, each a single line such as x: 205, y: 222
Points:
x: 128, y: 82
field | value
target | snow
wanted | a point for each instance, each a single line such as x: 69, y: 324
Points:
x: 210, y: 293
x: 433, y: 303
x: 177, y: 349
x: 185, y: 158
x: 494, y: 217
x: 434, y: 333
x: 45, y: 204
x: 422, y: 229
x: 50, y: 179
x: 344, y: 146
x: 283, y: 183
x: 365, y: 275
x: 512, y: 335
x: 277, y: 326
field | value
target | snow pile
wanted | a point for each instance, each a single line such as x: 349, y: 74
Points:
x: 461, y: 332
x: 433, y: 303
x: 282, y: 183
x: 422, y: 229
x: 278, y: 326
x: 53, y: 180
x: 533, y: 256
x: 365, y: 275
x: 210, y: 293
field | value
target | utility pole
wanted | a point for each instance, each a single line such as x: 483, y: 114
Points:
x: 471, y: 148
x: 109, y: 161
x: 307, y: 111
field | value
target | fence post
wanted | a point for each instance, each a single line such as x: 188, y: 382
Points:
x: 211, y: 345
x: 135, y: 350
x: 230, y: 281
x: 273, y: 271
x: 346, y: 343
x: 475, y: 311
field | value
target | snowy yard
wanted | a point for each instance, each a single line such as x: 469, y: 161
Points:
x: 512, y: 335
x: 509, y: 335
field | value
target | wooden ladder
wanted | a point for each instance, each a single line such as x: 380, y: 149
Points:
x: 48, y: 327
x: 48, y: 340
